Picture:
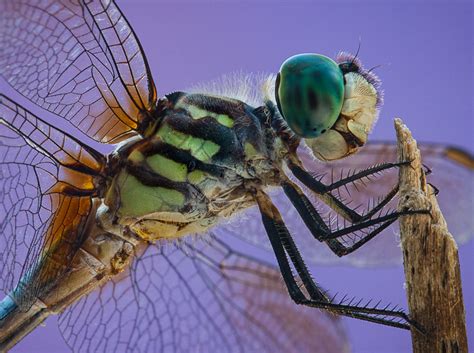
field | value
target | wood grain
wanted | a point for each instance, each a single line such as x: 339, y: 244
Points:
x: 430, y: 257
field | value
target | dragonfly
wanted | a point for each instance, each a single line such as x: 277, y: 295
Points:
x: 88, y: 234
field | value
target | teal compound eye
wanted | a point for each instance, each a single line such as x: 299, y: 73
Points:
x: 310, y: 92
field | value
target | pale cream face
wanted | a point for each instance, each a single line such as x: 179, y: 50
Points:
x: 351, y: 130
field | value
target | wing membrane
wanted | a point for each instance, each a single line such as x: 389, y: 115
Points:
x: 39, y: 215
x: 452, y: 173
x: 79, y: 60
x: 198, y: 297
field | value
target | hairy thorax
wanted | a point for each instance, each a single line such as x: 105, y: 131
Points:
x: 197, y: 166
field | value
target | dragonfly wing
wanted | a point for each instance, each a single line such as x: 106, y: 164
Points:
x: 452, y: 173
x: 199, y: 297
x: 78, y: 59
x: 37, y: 211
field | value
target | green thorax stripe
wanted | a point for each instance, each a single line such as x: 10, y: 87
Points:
x: 199, y: 148
x: 168, y: 168
x: 197, y: 112
x: 150, y: 147
x: 151, y: 199
x: 155, y: 162
x: 224, y: 110
x: 205, y: 139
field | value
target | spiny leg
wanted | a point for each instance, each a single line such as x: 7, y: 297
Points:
x: 324, y: 191
x: 285, y: 248
x: 355, y: 176
x: 316, y: 224
x: 321, y: 231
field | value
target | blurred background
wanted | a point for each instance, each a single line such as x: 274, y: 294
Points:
x: 426, y: 56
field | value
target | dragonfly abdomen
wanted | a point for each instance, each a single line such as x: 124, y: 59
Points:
x: 101, y: 256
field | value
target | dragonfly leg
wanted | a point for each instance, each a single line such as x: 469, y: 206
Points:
x: 301, y: 174
x: 320, y: 230
x: 324, y: 191
x: 285, y: 248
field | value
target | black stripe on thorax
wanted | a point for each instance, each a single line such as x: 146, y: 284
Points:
x: 230, y: 107
x: 149, y: 177
x: 180, y: 156
x: 207, y: 128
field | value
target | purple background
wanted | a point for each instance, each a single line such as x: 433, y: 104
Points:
x: 424, y: 47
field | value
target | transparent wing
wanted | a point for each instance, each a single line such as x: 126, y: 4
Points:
x: 35, y: 213
x: 79, y: 60
x: 198, y: 297
x: 452, y: 173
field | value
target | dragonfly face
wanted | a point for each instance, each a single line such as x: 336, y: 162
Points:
x: 332, y: 104
x: 362, y: 100
x: 73, y: 220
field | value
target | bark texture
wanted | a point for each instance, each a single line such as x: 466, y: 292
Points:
x: 430, y: 257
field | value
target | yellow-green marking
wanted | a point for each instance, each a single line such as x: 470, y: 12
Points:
x: 199, y: 113
x: 199, y: 148
x: 168, y: 168
x: 137, y: 199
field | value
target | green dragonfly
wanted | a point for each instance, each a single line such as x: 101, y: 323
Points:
x: 75, y: 220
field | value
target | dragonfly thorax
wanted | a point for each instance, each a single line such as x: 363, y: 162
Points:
x: 195, y: 167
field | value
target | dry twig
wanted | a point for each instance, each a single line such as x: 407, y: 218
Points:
x: 430, y: 257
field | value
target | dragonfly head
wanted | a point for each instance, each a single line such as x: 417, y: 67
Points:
x: 309, y: 91
x: 331, y: 104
